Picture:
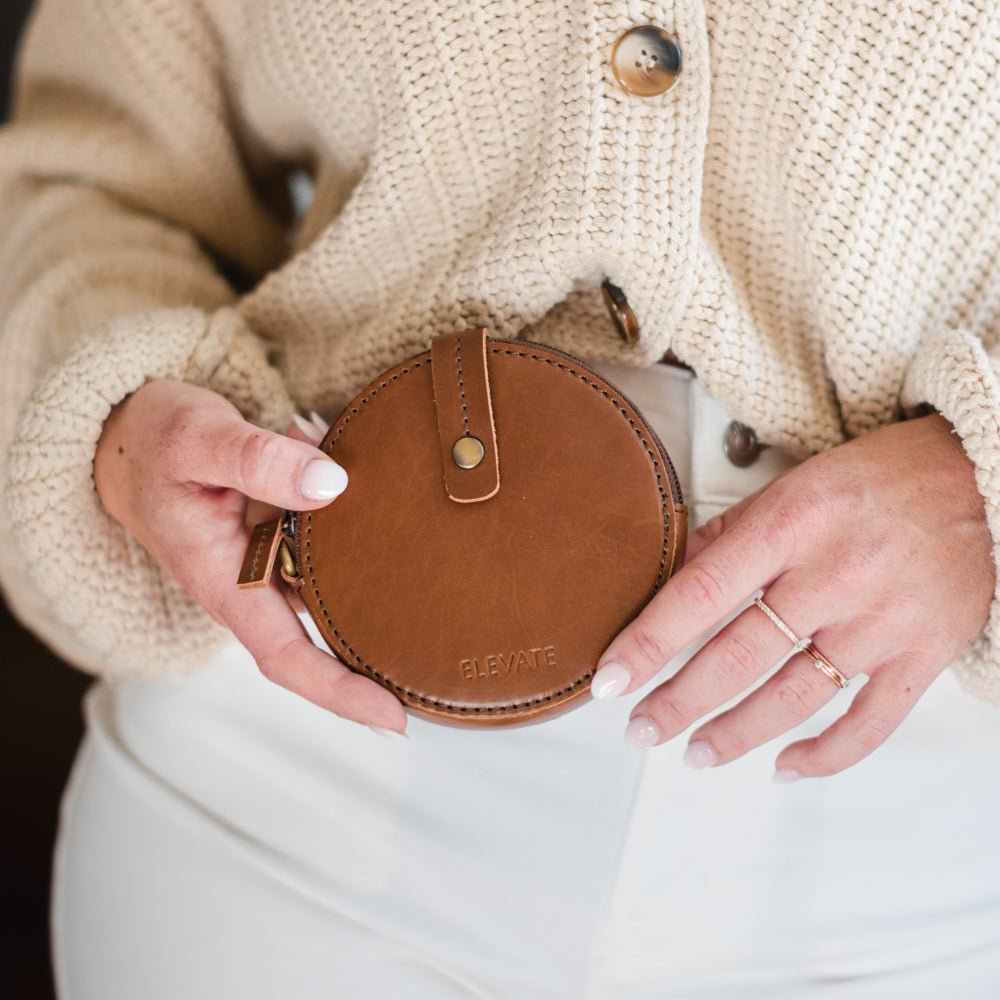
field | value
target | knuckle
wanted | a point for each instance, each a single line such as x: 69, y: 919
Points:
x: 734, y: 743
x: 670, y: 715
x: 799, y: 509
x: 872, y: 732
x: 271, y: 662
x: 181, y: 418
x: 797, y: 695
x: 738, y: 660
x: 651, y: 644
x: 259, y: 458
x: 340, y: 693
x: 707, y: 585
x: 871, y: 561
x: 823, y: 766
x: 269, y: 666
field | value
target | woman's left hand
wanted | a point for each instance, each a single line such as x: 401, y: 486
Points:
x: 878, y: 550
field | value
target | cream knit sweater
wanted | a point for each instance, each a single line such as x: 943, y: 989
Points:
x: 810, y: 217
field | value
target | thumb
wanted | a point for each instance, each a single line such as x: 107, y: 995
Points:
x: 270, y: 467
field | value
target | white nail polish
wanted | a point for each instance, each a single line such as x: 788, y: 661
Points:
x: 786, y: 775
x: 642, y: 732
x: 610, y: 681
x: 389, y: 734
x: 311, y: 431
x: 700, y: 754
x: 321, y: 425
x: 323, y: 480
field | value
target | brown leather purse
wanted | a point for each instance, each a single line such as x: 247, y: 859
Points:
x: 508, y: 513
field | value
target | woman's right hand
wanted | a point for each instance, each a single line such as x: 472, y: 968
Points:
x: 176, y: 465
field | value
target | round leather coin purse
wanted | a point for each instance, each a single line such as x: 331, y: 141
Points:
x: 508, y: 513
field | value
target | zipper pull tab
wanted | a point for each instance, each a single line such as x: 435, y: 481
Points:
x: 261, y: 553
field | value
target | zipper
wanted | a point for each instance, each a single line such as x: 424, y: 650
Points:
x: 271, y: 542
x: 288, y: 550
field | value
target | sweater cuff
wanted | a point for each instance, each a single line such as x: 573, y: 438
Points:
x: 956, y: 376
x: 126, y: 615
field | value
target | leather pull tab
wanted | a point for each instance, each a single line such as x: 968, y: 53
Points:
x: 261, y: 552
x: 465, y: 416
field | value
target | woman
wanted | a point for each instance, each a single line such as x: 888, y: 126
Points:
x: 791, y: 200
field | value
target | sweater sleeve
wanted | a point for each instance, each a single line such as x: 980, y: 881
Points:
x: 124, y: 194
x: 960, y: 378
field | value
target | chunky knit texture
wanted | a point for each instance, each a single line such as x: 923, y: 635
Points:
x: 809, y: 217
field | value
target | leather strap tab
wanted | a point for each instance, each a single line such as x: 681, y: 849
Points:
x: 260, y: 555
x: 465, y: 416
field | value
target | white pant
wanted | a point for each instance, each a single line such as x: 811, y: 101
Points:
x: 222, y: 838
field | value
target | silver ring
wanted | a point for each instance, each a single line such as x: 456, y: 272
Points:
x: 796, y: 641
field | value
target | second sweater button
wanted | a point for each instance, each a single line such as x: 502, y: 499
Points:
x: 741, y: 445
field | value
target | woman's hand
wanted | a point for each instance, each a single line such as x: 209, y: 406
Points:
x: 877, y: 549
x: 176, y: 465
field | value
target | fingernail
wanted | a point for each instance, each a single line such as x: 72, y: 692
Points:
x: 323, y: 480
x: 610, y: 681
x: 321, y: 425
x: 311, y: 431
x: 389, y: 734
x: 699, y: 755
x: 786, y: 775
x: 642, y: 732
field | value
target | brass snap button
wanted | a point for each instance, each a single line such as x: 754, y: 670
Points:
x: 620, y: 312
x: 741, y: 445
x: 646, y: 61
x: 467, y: 452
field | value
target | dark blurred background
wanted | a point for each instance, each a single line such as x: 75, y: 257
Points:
x: 39, y: 732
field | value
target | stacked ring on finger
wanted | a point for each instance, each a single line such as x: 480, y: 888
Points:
x: 820, y: 662
x: 807, y: 646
